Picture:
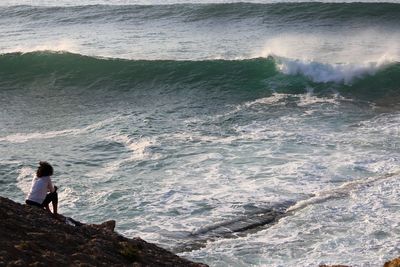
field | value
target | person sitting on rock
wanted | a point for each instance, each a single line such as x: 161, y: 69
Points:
x: 42, y: 190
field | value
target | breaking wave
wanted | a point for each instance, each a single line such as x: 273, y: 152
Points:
x: 271, y: 74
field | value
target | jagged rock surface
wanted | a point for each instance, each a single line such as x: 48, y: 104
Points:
x: 33, y: 237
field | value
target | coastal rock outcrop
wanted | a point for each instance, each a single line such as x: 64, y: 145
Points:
x: 33, y: 237
x: 393, y: 263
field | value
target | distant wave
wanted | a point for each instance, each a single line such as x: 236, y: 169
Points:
x: 188, y: 12
x: 273, y: 74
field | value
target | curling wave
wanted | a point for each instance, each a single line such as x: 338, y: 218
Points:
x: 274, y: 74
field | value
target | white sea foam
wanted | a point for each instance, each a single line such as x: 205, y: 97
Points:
x: 140, y: 149
x: 354, y: 230
x: 307, y: 54
x: 275, y: 98
x: 51, y: 45
x: 386, y: 124
x: 25, y: 137
x: 321, y: 72
x: 68, y: 197
x: 24, y: 179
x: 340, y: 191
x: 310, y: 99
x: 200, y: 138
x: 303, y: 100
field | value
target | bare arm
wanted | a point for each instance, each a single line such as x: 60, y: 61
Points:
x: 50, y: 186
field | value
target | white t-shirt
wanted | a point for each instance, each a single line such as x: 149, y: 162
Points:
x: 40, y: 187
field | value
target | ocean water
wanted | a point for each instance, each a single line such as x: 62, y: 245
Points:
x: 193, y: 123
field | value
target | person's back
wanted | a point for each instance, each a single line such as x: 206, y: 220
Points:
x: 41, y: 185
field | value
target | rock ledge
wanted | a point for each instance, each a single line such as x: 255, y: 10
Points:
x: 34, y: 237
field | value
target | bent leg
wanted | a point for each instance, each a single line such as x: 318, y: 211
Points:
x: 53, y: 198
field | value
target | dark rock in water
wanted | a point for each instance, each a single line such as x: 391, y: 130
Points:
x: 241, y: 224
x: 254, y: 220
x: 31, y: 236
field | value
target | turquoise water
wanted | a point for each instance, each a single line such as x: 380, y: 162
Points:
x: 177, y: 119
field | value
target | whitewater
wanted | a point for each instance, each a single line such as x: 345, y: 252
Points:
x: 257, y: 133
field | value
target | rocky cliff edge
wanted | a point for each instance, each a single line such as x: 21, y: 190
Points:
x: 30, y: 236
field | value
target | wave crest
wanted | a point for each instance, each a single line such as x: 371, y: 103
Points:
x: 324, y: 73
x: 271, y: 74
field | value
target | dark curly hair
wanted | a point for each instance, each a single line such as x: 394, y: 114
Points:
x: 44, y: 169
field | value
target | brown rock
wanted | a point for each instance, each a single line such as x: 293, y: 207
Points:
x: 393, y: 263
x: 108, y: 225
